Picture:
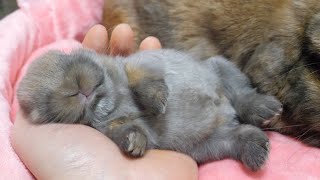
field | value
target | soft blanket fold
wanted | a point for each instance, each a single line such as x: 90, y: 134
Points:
x: 40, y: 25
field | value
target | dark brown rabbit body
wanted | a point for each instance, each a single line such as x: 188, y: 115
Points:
x: 276, y: 43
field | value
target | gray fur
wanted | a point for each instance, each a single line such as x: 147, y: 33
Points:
x: 205, y: 109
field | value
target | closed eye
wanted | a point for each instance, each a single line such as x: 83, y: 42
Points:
x: 99, y: 83
x: 73, y: 94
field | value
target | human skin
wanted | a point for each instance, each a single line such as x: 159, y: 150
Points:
x: 61, y: 151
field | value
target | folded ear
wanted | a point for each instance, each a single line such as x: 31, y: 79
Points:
x: 147, y: 82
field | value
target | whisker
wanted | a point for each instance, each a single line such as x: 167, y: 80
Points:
x: 309, y: 137
x: 314, y: 71
x: 302, y: 66
x: 293, y: 69
x: 306, y: 65
x: 300, y: 136
x: 276, y: 128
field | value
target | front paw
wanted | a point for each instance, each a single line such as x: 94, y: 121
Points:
x: 129, y: 137
x: 136, y: 144
x: 260, y: 110
x: 131, y: 141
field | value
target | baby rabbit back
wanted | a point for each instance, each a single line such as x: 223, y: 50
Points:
x: 193, y: 104
x: 205, y: 103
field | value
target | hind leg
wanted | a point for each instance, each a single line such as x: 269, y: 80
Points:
x: 252, y: 107
x: 245, y: 143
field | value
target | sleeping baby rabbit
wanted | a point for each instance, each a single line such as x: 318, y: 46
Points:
x: 159, y: 99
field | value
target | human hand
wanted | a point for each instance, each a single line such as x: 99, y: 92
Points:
x: 121, y: 41
x: 62, y: 151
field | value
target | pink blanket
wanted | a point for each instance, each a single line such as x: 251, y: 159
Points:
x: 40, y: 25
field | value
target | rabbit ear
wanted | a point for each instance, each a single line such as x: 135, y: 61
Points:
x: 147, y: 82
x: 313, y: 34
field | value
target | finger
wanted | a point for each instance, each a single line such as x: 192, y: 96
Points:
x: 122, y: 40
x: 96, y: 38
x: 60, y: 151
x: 150, y: 43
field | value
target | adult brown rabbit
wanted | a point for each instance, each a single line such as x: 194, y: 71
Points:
x: 276, y: 43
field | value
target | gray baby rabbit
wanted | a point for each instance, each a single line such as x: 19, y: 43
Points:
x: 161, y: 99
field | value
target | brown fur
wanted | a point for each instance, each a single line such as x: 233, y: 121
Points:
x: 116, y: 123
x: 134, y: 75
x: 276, y: 43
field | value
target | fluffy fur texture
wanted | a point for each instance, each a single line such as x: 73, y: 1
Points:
x: 276, y: 43
x: 160, y: 99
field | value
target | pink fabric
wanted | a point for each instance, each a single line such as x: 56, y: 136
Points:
x: 289, y: 159
x: 40, y: 25
x: 37, y: 26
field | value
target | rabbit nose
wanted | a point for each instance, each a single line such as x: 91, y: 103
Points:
x: 86, y: 92
x: 82, y: 97
x: 86, y: 96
